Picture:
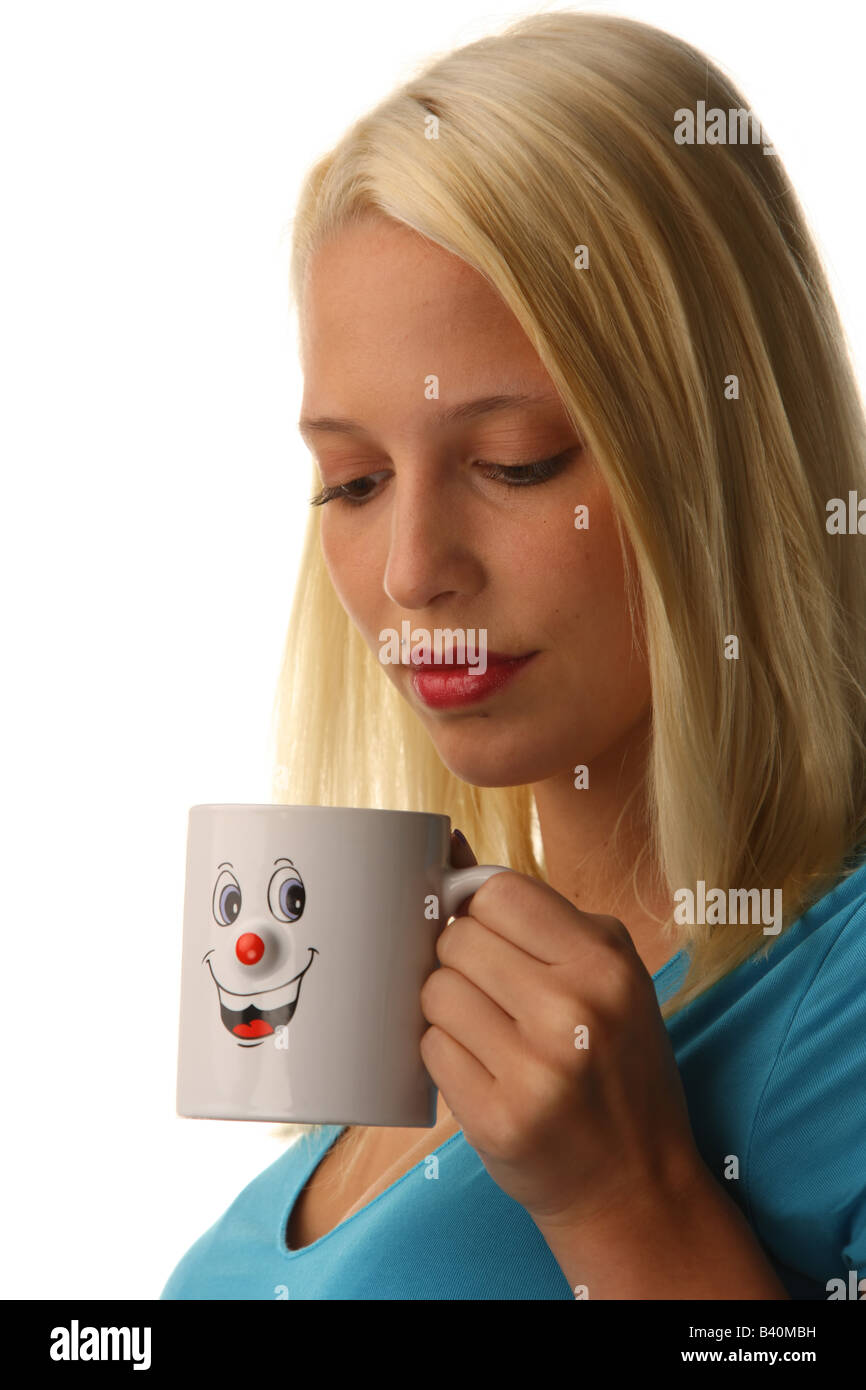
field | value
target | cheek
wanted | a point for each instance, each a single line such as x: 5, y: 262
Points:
x: 590, y: 625
x: 577, y: 576
x: 352, y: 574
x: 330, y: 550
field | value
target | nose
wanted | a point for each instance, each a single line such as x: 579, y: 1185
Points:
x: 249, y: 948
x: 428, y: 553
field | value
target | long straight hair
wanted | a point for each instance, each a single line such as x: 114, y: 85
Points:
x: 701, y: 358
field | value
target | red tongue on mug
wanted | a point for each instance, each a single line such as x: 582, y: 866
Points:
x: 256, y: 1029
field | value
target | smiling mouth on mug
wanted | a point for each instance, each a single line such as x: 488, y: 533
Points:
x: 253, y: 1017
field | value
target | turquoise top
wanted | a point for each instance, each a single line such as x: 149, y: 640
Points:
x: 773, y: 1062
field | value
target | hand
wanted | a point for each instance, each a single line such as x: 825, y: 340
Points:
x: 548, y: 1045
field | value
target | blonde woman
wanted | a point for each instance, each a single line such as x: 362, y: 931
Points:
x: 575, y: 379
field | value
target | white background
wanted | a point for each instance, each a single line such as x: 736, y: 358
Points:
x: 154, y: 499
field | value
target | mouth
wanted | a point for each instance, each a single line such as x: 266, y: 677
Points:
x: 493, y: 659
x: 442, y: 686
x: 252, y: 1017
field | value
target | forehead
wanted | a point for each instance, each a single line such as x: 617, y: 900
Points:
x: 379, y: 298
x: 375, y: 248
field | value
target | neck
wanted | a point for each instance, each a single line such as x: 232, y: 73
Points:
x: 590, y: 864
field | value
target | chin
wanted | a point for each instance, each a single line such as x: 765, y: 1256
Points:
x: 486, y: 760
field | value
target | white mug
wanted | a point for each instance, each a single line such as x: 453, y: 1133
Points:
x: 308, y: 933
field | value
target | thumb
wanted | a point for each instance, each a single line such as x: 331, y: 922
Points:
x: 462, y: 856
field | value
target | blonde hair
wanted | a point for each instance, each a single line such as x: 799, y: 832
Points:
x: 555, y: 133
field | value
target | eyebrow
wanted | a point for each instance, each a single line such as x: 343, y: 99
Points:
x: 466, y: 410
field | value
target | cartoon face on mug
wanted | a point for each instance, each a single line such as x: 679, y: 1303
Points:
x: 256, y: 946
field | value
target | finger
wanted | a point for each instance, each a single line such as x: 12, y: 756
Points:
x: 470, y: 1017
x: 462, y: 857
x: 512, y: 977
x: 533, y: 916
x: 469, y: 1084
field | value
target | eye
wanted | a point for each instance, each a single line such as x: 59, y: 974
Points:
x: 339, y: 492
x: 287, y: 895
x: 226, y: 899
x: 511, y: 475
x: 526, y: 474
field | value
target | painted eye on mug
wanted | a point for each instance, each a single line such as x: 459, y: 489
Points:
x: 226, y: 899
x: 286, y: 895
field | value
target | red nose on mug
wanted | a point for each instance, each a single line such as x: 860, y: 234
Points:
x: 308, y: 934
x: 249, y: 948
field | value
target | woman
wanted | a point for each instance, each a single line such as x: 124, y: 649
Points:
x: 576, y: 381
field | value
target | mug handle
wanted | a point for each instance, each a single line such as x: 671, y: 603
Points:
x: 458, y: 884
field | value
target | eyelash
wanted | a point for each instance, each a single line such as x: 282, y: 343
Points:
x: 536, y: 472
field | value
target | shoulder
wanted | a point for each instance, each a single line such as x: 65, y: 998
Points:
x: 825, y: 1029
x: 832, y: 998
x: 806, y: 1169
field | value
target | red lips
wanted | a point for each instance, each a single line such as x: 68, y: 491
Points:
x: 448, y: 687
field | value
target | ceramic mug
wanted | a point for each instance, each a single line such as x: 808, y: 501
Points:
x: 308, y: 933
